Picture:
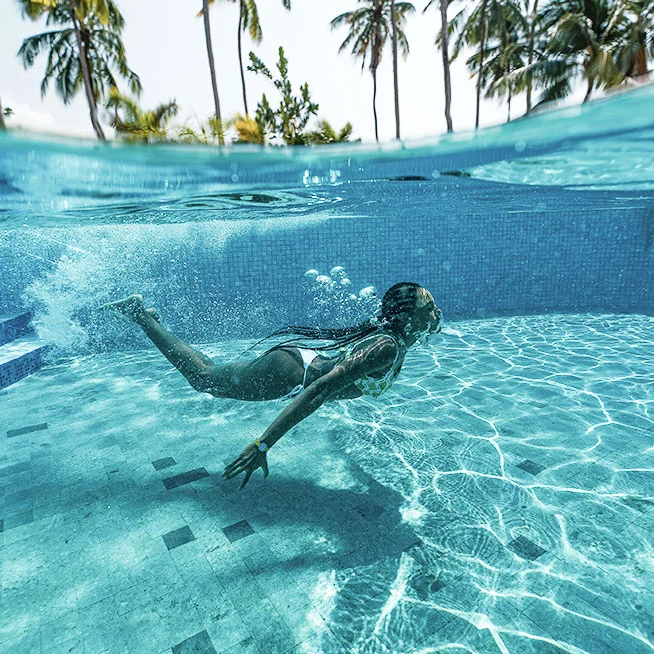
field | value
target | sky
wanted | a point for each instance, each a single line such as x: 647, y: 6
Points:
x: 164, y: 41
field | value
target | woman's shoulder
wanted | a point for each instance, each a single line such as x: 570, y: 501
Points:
x: 382, y: 344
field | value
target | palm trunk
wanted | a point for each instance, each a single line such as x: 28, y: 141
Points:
x: 212, y: 69
x: 508, y: 117
x: 482, y: 52
x: 446, y: 66
x: 589, y: 90
x: 2, y: 117
x: 530, y: 56
x: 240, y: 55
x: 86, y: 74
x: 374, y: 101
x: 641, y: 58
x: 395, y: 83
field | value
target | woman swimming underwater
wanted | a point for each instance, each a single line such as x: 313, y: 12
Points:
x: 361, y: 360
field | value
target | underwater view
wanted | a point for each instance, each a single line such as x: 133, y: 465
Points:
x: 498, y: 497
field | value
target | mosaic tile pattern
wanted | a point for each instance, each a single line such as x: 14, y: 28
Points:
x: 524, y: 548
x: 13, y: 327
x: 238, y: 530
x: 16, y: 368
x: 485, y: 249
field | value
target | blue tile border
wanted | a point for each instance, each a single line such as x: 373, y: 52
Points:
x: 15, y: 327
x: 21, y: 367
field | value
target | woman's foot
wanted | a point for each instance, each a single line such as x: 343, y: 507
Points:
x: 131, y: 307
x: 153, y: 313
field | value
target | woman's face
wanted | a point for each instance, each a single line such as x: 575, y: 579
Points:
x: 427, y: 315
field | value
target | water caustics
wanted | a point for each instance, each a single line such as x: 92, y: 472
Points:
x: 508, y: 503
x: 527, y: 470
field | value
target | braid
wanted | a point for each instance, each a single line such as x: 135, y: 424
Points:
x: 401, y: 298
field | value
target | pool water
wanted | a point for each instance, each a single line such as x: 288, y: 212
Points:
x: 499, y: 498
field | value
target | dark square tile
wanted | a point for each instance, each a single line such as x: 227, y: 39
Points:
x: 238, y: 530
x: 184, y: 478
x: 425, y: 585
x: 531, y: 467
x: 19, y: 501
x: 26, y: 430
x: 18, y: 519
x: 368, y: 509
x: 525, y: 549
x: 17, y: 467
x: 178, y: 537
x: 160, y: 464
x: 198, y: 644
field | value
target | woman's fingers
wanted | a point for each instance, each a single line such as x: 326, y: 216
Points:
x: 248, y: 474
x: 237, y: 466
x: 248, y: 463
x: 230, y: 469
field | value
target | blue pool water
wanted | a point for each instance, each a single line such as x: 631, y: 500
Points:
x: 500, y: 498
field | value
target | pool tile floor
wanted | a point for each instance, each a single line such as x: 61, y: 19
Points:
x: 120, y: 535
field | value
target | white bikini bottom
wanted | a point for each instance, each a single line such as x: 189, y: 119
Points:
x: 307, y: 357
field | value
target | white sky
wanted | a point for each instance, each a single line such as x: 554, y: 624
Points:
x: 165, y: 46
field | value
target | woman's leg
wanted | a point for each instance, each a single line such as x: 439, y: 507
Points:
x: 267, y: 378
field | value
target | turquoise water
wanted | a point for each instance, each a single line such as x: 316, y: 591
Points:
x: 500, y: 498
x: 54, y: 182
x: 390, y: 523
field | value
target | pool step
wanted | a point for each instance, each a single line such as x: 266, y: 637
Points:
x: 14, y: 326
x: 21, y: 351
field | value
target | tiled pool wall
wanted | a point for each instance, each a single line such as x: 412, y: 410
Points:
x: 217, y: 279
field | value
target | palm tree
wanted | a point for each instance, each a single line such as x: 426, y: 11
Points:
x: 327, y: 134
x: 395, y: 82
x: 136, y: 124
x: 638, y: 45
x: 587, y: 36
x: 248, y: 21
x: 506, y: 55
x: 521, y: 58
x: 370, y: 27
x: 533, y: 24
x: 212, y: 68
x: 476, y: 26
x: 85, y: 52
x: 443, y: 41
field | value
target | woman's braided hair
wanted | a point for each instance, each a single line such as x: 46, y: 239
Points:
x: 400, y: 298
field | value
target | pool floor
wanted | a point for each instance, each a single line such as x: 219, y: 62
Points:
x: 500, y: 498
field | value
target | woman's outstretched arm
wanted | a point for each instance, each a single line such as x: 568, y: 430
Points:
x: 377, y: 357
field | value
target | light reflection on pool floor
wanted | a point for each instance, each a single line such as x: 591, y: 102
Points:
x: 521, y: 431
x: 499, y: 499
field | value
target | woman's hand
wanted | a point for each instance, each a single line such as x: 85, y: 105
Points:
x: 248, y: 461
